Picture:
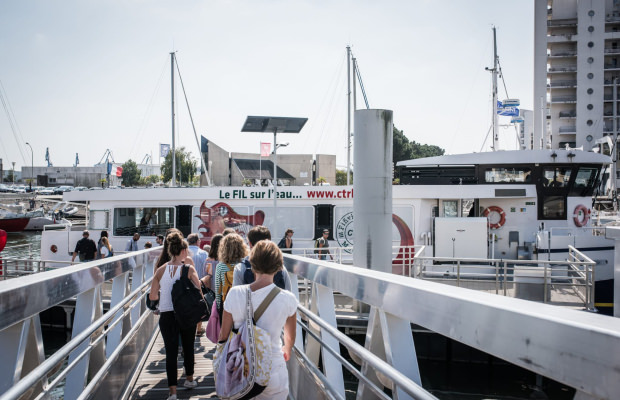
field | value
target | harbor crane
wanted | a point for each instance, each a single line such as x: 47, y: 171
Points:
x: 47, y: 157
x: 106, y: 156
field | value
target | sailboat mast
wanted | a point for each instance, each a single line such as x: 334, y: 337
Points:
x: 174, y: 158
x: 494, y: 79
x: 349, y: 77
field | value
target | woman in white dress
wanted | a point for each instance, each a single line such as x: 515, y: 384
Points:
x: 266, y: 260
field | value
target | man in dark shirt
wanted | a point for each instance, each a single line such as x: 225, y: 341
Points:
x: 85, y: 247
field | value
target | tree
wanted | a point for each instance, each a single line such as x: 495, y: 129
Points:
x: 341, y: 177
x: 9, y: 176
x: 403, y: 149
x: 185, y: 166
x: 131, y: 173
x: 321, y: 180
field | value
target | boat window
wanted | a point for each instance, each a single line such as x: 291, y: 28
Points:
x: 554, y: 207
x: 450, y: 208
x: 557, y: 177
x: 584, y: 181
x: 146, y: 221
x: 507, y: 175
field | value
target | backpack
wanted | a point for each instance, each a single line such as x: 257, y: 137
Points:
x: 316, y: 246
x: 228, y: 282
x: 189, y: 305
x: 248, y: 275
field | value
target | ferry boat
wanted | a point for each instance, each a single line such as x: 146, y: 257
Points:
x: 526, y: 204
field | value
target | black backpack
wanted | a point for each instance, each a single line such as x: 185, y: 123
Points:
x: 189, y: 305
x: 248, y: 275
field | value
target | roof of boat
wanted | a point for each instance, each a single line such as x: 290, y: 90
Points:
x: 511, y: 157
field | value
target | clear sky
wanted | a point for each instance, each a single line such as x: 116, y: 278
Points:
x: 86, y: 76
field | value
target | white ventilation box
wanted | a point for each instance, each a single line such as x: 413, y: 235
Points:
x: 461, y: 237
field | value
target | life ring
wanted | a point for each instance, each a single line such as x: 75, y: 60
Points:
x: 581, y: 220
x: 502, y: 216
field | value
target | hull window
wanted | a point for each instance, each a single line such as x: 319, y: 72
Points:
x: 145, y: 221
x: 507, y: 175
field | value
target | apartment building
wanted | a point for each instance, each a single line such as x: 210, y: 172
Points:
x: 576, y: 72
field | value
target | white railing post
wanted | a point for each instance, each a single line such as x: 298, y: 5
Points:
x: 119, y: 291
x: 323, y: 305
x: 87, y: 310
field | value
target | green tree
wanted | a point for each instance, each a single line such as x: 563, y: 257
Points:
x: 131, y: 173
x: 403, y: 149
x: 185, y: 166
x: 9, y: 176
x: 341, y: 177
x: 321, y: 180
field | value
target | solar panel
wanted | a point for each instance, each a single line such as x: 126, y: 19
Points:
x: 273, y: 124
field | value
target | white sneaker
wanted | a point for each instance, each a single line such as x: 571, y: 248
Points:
x: 172, y: 397
x: 190, y: 384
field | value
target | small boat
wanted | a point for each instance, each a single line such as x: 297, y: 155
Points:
x: 13, y: 218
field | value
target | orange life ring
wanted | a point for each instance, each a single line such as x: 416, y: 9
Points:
x: 581, y: 220
x: 502, y: 216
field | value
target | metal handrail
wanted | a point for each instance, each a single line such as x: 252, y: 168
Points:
x: 463, y: 315
x: 375, y: 362
x: 41, y: 371
x: 89, y: 275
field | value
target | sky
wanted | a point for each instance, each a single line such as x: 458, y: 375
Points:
x: 86, y: 76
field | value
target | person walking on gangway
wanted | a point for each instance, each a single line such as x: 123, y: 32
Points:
x: 161, y: 289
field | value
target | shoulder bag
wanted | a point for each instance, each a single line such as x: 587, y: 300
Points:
x: 242, y: 366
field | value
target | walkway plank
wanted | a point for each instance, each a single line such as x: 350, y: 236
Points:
x: 151, y: 383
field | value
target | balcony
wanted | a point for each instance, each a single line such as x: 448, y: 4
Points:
x: 611, y: 66
x: 568, y: 68
x: 612, y: 51
x: 562, y: 22
x: 559, y: 38
x: 568, y: 129
x: 562, y: 84
x: 563, y: 53
x: 563, y: 99
x: 568, y: 114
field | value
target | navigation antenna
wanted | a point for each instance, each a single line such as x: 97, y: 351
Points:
x: 352, y: 77
x: 494, y: 72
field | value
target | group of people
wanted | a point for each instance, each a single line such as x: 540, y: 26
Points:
x: 230, y: 268
x: 87, y: 250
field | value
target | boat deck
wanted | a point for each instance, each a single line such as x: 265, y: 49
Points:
x: 151, y: 381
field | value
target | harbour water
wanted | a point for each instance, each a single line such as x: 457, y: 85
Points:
x: 448, y: 369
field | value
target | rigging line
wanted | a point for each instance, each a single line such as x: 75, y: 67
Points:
x: 502, y: 75
x: 330, y: 110
x: 485, y: 139
x: 471, y: 90
x: 359, y: 78
x: 332, y: 82
x: 142, y: 128
x: 202, y: 161
x: 12, y: 121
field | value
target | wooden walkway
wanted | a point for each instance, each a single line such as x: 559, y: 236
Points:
x: 151, y: 382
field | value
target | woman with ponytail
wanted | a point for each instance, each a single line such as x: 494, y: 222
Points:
x: 161, y: 288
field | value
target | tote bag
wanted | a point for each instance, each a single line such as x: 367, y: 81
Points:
x: 214, y: 324
x: 242, y: 366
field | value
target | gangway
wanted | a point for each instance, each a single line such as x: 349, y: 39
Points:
x: 108, y: 351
